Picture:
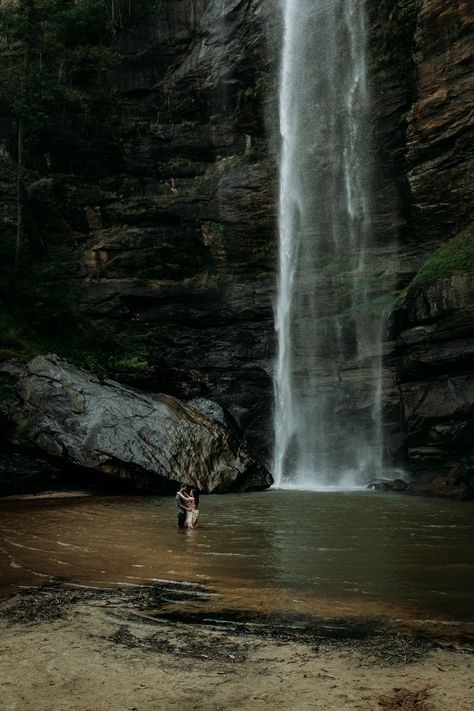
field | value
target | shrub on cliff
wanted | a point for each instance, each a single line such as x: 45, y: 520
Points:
x: 453, y: 257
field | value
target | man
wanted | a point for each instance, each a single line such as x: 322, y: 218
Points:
x: 181, y: 508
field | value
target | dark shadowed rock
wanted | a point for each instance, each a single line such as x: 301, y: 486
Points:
x: 22, y: 473
x: 155, y: 441
x: 214, y: 411
x: 435, y: 351
x: 440, y: 123
x: 388, y: 485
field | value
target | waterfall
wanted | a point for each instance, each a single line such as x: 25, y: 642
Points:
x: 328, y: 376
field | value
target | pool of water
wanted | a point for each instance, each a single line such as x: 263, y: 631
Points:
x: 338, y: 553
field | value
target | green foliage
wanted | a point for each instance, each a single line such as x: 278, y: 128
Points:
x: 56, y: 58
x: 453, y: 257
x: 214, y: 237
x: 23, y: 429
x: 16, y: 339
x: 216, y: 229
x: 257, y: 150
x: 177, y: 164
x: 132, y: 362
x: 61, y: 332
x: 252, y: 93
x: 90, y: 346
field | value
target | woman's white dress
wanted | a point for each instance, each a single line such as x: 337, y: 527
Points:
x: 189, y: 517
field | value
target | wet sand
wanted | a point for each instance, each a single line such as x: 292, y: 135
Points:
x: 67, y: 648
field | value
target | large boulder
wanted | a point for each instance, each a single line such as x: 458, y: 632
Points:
x: 155, y: 441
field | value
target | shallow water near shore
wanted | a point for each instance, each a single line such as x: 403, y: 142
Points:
x: 320, y: 553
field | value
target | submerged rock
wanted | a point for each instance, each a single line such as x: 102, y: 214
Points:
x: 155, y: 441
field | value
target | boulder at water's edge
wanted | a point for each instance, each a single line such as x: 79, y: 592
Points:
x: 154, y: 441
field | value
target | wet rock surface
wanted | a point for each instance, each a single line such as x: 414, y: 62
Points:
x: 440, y: 123
x: 388, y: 485
x: 27, y: 472
x: 154, y: 441
x: 435, y: 370
x: 171, y: 246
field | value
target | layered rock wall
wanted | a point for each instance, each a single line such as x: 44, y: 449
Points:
x: 168, y: 234
x: 174, y: 251
x: 434, y: 352
x: 441, y: 120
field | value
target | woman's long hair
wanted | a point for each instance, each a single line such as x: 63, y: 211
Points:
x: 195, y: 494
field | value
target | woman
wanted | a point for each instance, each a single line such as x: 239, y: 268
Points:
x: 195, y: 508
x: 188, y: 504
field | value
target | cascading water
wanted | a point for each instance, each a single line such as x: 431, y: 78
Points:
x: 328, y: 314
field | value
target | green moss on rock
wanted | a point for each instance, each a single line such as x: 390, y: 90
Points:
x: 16, y: 339
x: 453, y: 257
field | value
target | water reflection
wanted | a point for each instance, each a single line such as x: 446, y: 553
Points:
x: 322, y: 552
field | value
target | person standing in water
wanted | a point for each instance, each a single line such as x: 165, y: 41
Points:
x: 195, y: 511
x: 182, y: 507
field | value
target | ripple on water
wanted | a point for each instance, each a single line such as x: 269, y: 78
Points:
x: 352, y: 548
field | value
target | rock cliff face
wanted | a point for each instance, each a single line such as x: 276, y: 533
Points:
x: 434, y: 350
x: 441, y: 121
x: 175, y: 251
x: 422, y: 62
x: 435, y: 368
x: 170, y: 241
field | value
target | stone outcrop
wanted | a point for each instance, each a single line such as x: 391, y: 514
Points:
x: 154, y: 441
x: 435, y: 351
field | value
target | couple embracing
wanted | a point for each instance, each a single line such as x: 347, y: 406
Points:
x: 187, y: 506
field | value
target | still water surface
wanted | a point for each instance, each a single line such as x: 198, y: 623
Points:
x: 319, y: 552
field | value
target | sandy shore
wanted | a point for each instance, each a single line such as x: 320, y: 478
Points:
x: 69, y: 649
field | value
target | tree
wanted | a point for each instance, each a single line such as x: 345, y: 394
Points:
x: 60, y: 115
x: 16, y: 21
x: 55, y: 54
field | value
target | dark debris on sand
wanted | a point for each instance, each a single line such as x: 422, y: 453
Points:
x: 47, y: 603
x: 53, y: 600
x: 196, y: 646
x: 377, y: 642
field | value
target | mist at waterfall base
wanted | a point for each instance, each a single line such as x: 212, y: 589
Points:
x: 331, y: 287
